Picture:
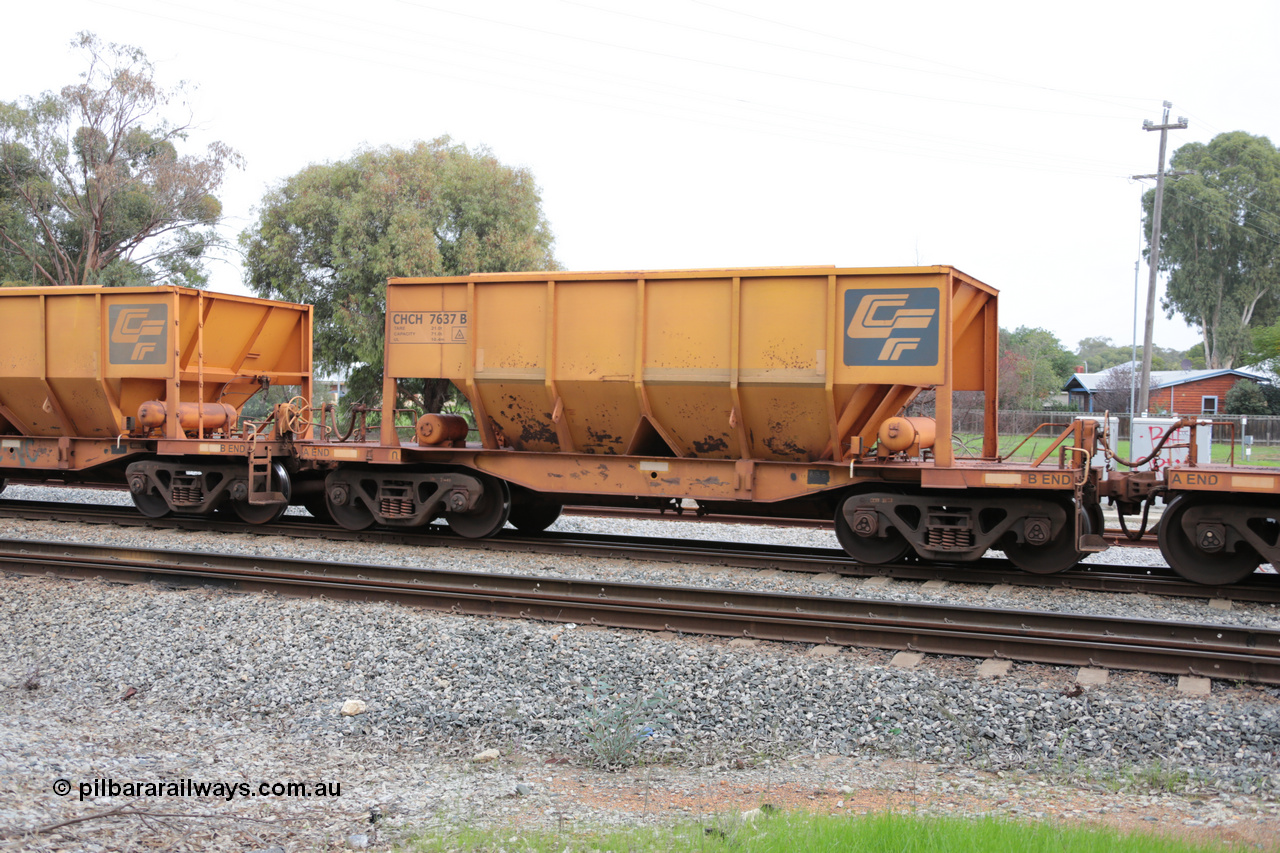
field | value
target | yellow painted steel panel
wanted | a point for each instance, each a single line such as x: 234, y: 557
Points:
x: 687, y: 331
x: 510, y: 330
x: 784, y: 327
x: 594, y: 363
x: 687, y: 326
x: 786, y: 422
x: 783, y: 366
x: 521, y: 412
x: 595, y: 331
x: 788, y: 364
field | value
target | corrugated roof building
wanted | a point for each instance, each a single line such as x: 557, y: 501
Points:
x: 1179, y: 392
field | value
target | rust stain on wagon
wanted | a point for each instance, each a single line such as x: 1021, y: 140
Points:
x: 710, y: 444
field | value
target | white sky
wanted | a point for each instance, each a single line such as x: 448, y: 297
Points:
x: 996, y: 137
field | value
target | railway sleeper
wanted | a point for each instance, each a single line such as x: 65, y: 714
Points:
x: 1038, y: 535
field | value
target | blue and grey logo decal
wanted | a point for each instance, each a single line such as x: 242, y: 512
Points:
x: 890, y: 328
x: 139, y: 334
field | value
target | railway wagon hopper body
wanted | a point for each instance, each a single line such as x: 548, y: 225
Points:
x: 144, y: 386
x: 768, y: 365
x: 749, y: 391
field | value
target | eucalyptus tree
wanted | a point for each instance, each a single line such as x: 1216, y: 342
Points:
x: 1221, y: 240
x: 332, y: 234
x: 93, y: 186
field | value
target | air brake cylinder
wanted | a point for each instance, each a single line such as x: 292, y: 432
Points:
x: 902, y: 434
x: 434, y: 430
x: 153, y: 414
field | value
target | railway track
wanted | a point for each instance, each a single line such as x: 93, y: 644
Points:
x: 1260, y: 588
x: 1113, y: 535
x: 1041, y: 637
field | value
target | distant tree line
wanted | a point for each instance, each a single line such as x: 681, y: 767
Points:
x: 1035, y: 365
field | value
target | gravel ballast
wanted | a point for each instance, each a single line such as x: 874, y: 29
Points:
x: 102, y: 681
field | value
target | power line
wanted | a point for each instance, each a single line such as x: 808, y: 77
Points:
x: 964, y: 74
x: 980, y: 74
x: 836, y: 131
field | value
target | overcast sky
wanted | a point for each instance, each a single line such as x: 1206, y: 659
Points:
x: 996, y: 137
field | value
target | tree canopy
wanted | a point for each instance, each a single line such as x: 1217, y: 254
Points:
x: 1246, y: 398
x: 93, y: 189
x: 1034, y: 365
x: 1221, y: 240
x: 332, y: 235
x: 1097, y: 354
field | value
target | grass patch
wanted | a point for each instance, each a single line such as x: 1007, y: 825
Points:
x: 617, y: 726
x: 1263, y: 454
x: 815, y: 834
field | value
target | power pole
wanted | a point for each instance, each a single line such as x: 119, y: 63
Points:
x: 1133, y: 361
x: 1164, y: 127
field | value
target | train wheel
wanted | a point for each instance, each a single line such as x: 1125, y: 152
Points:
x: 490, y: 514
x: 1097, y: 521
x: 1, y: 484
x: 870, y: 550
x: 532, y: 513
x: 1057, y: 555
x: 1194, y: 563
x: 266, y: 513
x: 151, y: 504
x: 345, y: 508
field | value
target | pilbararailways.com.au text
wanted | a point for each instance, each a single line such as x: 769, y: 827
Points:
x: 191, y: 788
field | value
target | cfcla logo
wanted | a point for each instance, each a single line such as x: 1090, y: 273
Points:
x: 139, y: 333
x: 897, y: 326
x: 880, y: 316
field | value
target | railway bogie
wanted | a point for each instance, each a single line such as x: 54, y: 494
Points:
x: 255, y: 494
x: 474, y: 505
x: 1040, y: 535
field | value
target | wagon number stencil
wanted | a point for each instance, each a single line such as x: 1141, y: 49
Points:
x: 429, y: 327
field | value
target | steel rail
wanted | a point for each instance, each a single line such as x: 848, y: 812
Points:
x: 1260, y: 588
x: 1113, y: 535
x: 1178, y: 648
